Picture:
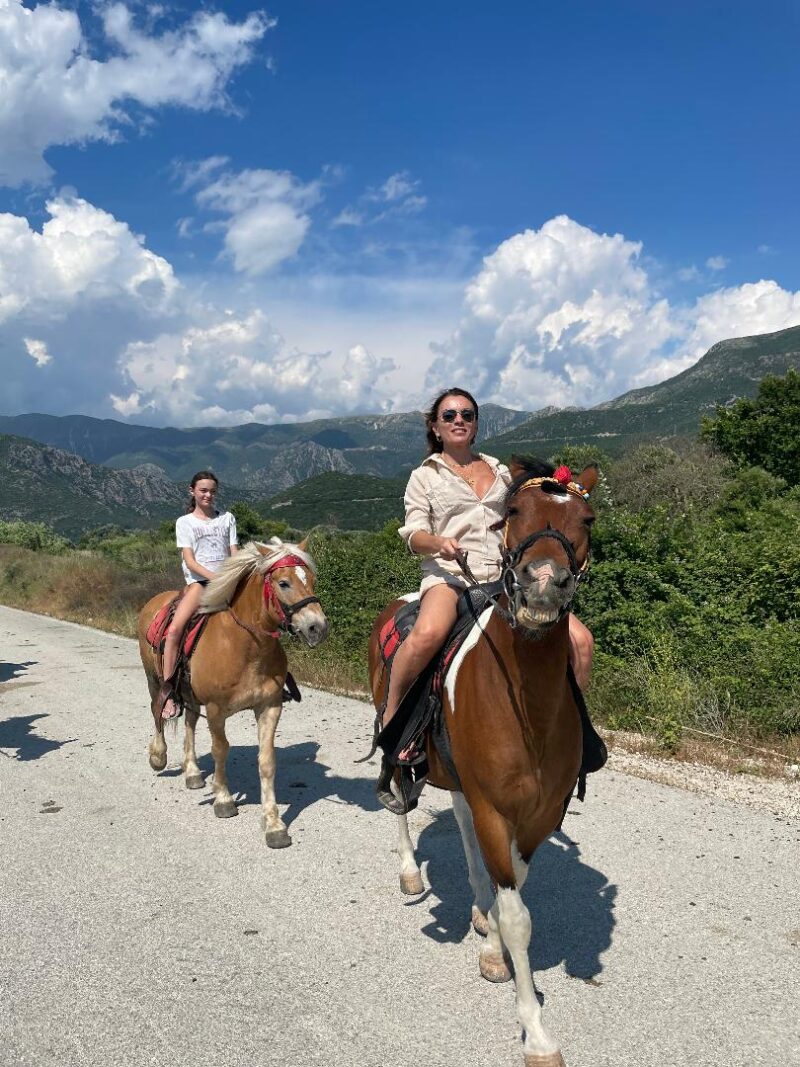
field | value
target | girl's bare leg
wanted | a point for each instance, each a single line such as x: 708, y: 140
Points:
x: 187, y: 606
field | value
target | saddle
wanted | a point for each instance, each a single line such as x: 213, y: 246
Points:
x: 157, y: 630
x: 421, y: 711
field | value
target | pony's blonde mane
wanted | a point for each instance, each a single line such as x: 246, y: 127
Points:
x: 249, y: 560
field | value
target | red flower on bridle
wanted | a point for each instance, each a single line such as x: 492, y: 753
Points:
x: 563, y: 475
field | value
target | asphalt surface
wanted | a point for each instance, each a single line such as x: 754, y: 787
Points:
x: 136, y: 928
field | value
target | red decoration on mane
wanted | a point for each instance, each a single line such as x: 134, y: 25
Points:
x: 563, y: 475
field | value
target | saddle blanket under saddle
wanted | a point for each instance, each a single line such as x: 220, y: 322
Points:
x: 157, y: 630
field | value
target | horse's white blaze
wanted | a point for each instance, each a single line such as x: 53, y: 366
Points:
x: 301, y: 574
x: 470, y: 641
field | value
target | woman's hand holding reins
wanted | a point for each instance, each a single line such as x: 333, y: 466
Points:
x: 449, y: 548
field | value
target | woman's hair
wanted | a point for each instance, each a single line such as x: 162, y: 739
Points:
x: 434, y: 444
x: 199, y: 477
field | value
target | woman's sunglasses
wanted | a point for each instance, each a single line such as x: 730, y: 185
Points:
x: 450, y: 415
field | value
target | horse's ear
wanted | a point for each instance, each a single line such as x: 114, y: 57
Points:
x: 517, y: 467
x: 588, y: 477
x: 303, y: 545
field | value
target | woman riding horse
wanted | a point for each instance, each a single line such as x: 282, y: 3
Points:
x: 454, y: 501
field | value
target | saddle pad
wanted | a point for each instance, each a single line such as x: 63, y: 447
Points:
x: 157, y: 630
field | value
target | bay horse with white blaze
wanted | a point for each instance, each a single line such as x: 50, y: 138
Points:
x: 239, y: 663
x: 513, y: 725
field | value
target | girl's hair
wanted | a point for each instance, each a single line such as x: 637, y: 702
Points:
x: 199, y: 477
x: 434, y: 444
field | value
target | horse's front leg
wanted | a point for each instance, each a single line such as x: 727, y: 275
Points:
x: 479, y: 880
x: 192, y: 775
x: 272, y: 824
x: 410, y: 878
x: 540, y: 1049
x: 224, y: 804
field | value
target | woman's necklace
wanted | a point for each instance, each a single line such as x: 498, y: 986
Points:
x: 454, y: 466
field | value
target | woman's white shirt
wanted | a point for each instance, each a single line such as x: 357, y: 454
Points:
x: 209, y: 539
x: 439, y: 501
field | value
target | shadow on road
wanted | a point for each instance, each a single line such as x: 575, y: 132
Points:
x: 18, y: 733
x: 300, y: 779
x: 13, y: 670
x: 571, y: 903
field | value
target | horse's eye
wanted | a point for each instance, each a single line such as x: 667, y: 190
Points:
x: 512, y: 512
x: 284, y: 584
x: 589, y: 522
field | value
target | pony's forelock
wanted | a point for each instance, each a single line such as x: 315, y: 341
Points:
x: 250, y: 559
x: 533, y: 468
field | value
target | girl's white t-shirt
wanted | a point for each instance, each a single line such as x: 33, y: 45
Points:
x: 209, y: 539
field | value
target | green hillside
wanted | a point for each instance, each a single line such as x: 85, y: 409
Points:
x: 49, y: 485
x: 347, y: 501
x: 672, y: 408
x: 263, y: 459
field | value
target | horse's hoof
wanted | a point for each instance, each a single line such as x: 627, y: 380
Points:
x: 158, y: 763
x: 225, y: 809
x: 277, y: 839
x: 194, y: 781
x: 494, y: 968
x: 411, y: 884
x: 480, y: 924
x: 551, y: 1059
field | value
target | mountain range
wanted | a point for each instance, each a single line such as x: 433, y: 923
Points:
x: 75, y: 472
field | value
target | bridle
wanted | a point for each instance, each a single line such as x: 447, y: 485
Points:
x: 284, y: 612
x: 510, y: 558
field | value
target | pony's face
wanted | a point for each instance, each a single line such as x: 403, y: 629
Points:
x: 292, y: 585
x: 548, y: 536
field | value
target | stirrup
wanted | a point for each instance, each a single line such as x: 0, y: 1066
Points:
x: 410, y: 783
x: 165, y: 693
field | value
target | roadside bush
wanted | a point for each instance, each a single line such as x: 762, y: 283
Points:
x: 33, y: 535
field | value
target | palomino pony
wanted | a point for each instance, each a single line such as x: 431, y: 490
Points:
x: 239, y: 663
x: 513, y: 725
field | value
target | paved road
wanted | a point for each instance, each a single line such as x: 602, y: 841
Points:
x: 135, y: 928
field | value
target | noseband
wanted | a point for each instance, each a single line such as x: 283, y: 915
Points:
x: 285, y: 612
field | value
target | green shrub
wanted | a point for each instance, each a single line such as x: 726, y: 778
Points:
x: 33, y: 535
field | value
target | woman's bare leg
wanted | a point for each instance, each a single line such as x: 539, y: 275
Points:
x: 437, y: 614
x: 581, y: 651
x: 187, y: 606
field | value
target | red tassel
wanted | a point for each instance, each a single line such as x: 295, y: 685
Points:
x: 563, y: 475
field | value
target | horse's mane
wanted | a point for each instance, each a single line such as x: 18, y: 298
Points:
x: 533, y: 468
x: 248, y: 560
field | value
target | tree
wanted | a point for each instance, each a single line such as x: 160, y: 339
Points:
x: 249, y: 524
x: 764, y: 431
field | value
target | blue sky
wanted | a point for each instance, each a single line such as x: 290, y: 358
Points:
x: 314, y: 208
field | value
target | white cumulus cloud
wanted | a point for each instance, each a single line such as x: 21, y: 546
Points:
x: 264, y: 212
x: 564, y: 315
x: 55, y: 92
x: 37, y: 350
x: 82, y: 255
x: 238, y: 369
